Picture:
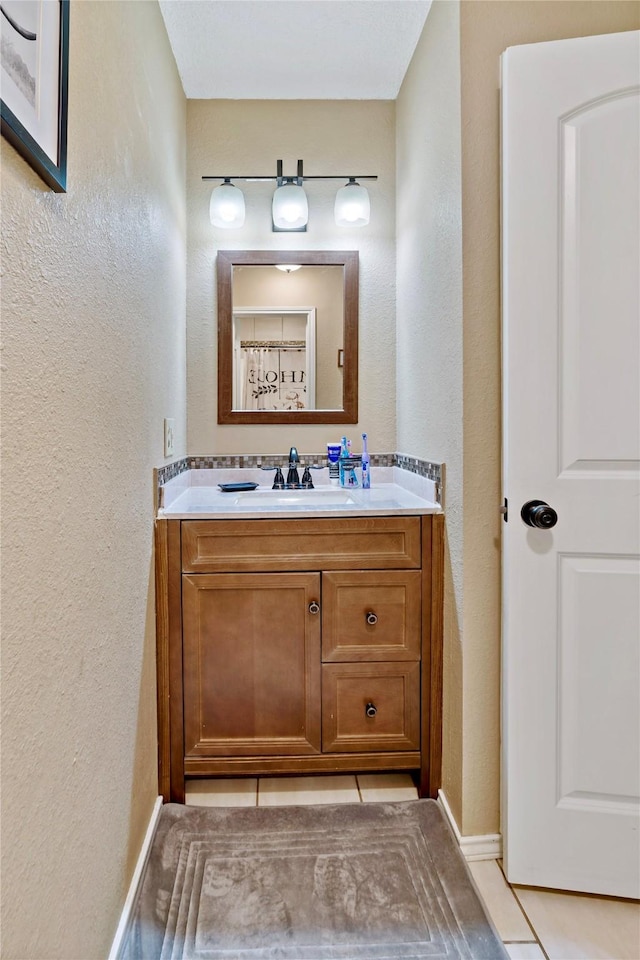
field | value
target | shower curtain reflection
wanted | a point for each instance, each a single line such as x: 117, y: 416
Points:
x: 273, y: 376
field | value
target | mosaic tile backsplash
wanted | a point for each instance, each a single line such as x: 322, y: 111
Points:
x: 423, y: 468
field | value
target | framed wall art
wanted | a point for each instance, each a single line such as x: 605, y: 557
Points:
x: 34, y: 74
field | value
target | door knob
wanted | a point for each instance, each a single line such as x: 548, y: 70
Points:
x: 314, y: 607
x: 372, y: 618
x: 371, y: 709
x: 537, y: 513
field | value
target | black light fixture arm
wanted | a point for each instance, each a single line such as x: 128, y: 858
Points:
x: 280, y: 178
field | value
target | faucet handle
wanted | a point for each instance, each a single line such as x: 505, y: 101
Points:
x: 307, y: 482
x: 278, y: 480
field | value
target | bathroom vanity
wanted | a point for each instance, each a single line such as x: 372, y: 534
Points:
x: 299, y: 636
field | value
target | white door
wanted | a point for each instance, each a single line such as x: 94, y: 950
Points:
x: 571, y: 355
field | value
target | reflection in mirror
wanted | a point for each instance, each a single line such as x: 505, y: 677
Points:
x: 287, y: 337
x: 274, y: 365
x: 283, y: 359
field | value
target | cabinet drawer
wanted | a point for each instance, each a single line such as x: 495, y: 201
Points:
x: 371, y: 615
x: 388, y: 691
x: 211, y: 546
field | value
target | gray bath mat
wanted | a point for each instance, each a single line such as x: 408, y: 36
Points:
x: 374, y: 881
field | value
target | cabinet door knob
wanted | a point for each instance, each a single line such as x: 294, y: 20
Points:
x: 371, y: 617
x: 371, y: 709
x: 314, y: 607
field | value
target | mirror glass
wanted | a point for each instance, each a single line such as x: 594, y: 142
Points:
x: 287, y: 336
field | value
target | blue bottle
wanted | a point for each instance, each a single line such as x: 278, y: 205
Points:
x: 344, y: 457
x: 347, y: 465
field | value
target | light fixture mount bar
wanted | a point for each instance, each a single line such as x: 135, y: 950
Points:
x: 299, y: 178
x: 344, y: 176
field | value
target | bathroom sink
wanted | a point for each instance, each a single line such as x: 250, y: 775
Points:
x: 209, y: 502
x: 292, y: 498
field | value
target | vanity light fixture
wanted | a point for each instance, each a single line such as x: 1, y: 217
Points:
x: 352, y: 208
x: 226, y: 207
x: 288, y: 267
x: 290, y: 208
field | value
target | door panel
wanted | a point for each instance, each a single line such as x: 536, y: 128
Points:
x: 571, y: 437
x: 599, y: 762
x: 599, y: 428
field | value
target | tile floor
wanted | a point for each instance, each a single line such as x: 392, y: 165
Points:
x: 534, y: 924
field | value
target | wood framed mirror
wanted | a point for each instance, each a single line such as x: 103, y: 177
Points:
x: 287, y: 336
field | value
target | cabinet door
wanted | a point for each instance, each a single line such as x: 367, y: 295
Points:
x: 371, y: 615
x: 251, y: 664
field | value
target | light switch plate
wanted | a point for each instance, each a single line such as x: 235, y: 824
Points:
x: 169, y: 431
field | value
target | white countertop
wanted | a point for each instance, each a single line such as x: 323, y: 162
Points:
x: 200, y: 502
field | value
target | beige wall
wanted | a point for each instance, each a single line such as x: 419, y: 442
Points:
x: 429, y: 312
x: 331, y: 137
x: 487, y: 28
x: 93, y: 298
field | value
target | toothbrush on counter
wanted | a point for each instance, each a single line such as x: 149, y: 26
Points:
x: 366, y: 475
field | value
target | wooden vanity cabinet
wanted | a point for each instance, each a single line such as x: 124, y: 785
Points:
x: 299, y: 646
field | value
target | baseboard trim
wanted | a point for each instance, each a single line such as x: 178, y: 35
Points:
x: 136, y: 881
x: 486, y: 846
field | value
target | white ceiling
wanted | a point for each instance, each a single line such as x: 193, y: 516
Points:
x: 293, y: 49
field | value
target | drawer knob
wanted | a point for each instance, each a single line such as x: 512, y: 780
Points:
x: 314, y: 607
x: 371, y: 617
x: 371, y: 709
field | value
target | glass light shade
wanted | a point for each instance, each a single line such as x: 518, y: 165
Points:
x: 290, y: 209
x: 226, y: 208
x: 352, y: 208
x: 288, y: 267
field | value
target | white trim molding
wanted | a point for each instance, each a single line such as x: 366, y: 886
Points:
x: 136, y: 882
x: 486, y: 846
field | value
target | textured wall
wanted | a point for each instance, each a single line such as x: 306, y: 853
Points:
x: 487, y: 29
x: 332, y: 137
x: 93, y: 303
x: 429, y: 312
